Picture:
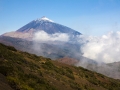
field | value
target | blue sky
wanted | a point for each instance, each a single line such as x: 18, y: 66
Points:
x: 90, y: 17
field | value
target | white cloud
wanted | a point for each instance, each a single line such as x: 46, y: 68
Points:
x: 103, y: 49
x: 43, y: 36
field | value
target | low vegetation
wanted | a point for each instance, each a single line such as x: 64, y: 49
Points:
x: 24, y: 71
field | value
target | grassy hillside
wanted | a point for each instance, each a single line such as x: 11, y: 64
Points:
x: 23, y: 71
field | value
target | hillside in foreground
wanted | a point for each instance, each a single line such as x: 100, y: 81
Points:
x: 24, y: 71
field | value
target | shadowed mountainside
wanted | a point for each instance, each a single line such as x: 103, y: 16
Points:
x: 50, y: 50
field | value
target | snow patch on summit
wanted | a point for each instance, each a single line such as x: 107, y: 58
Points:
x: 45, y: 19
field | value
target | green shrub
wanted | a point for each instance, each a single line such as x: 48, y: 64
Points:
x: 11, y: 48
x: 5, y: 70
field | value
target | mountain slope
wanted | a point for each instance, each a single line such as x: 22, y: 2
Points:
x: 25, y: 71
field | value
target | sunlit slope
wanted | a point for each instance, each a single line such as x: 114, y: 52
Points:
x: 25, y: 71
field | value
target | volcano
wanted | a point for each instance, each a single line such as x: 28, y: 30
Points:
x: 42, y: 24
x: 48, y: 26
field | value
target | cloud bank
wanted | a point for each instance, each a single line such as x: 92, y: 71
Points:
x: 102, y: 49
x: 43, y: 36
